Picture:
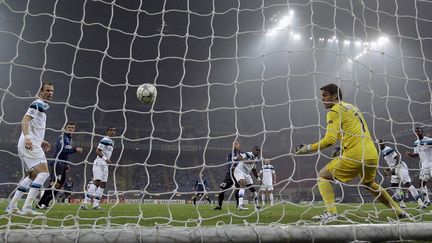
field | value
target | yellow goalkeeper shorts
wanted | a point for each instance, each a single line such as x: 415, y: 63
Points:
x: 344, y: 169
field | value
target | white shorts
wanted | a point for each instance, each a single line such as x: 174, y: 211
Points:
x: 240, y: 175
x: 404, y: 176
x: 266, y: 187
x: 425, y: 173
x: 31, y: 158
x: 100, y: 171
x: 394, y: 179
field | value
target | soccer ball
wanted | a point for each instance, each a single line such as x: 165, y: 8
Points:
x: 147, y: 93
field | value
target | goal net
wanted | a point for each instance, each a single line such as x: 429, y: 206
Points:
x: 224, y: 71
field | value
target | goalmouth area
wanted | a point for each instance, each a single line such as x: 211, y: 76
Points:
x: 283, y: 222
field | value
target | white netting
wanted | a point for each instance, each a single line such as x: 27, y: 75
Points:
x: 224, y: 70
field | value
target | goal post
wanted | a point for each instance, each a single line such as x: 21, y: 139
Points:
x: 276, y: 233
x: 223, y: 71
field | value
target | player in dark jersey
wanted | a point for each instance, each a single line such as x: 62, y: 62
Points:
x: 59, y: 165
x: 201, y: 188
x: 229, y: 180
x: 68, y: 188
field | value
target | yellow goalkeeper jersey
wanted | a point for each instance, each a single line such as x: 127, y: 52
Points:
x: 346, y: 123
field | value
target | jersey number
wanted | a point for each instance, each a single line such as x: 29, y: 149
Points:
x: 361, y: 121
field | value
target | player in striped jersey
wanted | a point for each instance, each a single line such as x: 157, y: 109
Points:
x: 31, y: 148
x: 268, y: 175
x: 100, y: 170
x: 423, y: 150
x: 399, y: 175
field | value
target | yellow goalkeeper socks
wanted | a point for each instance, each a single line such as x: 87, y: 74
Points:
x: 384, y: 197
x: 327, y: 193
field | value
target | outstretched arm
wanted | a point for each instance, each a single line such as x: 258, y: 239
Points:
x: 332, y: 131
x: 330, y: 138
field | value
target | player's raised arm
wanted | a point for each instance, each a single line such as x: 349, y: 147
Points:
x: 330, y: 138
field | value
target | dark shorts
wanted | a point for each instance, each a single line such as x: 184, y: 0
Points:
x: 228, y: 182
x: 67, y: 189
x: 57, y: 172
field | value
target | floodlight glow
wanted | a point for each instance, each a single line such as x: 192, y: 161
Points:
x: 382, y: 40
x: 347, y: 42
x: 296, y: 36
x: 329, y: 40
x: 271, y: 32
x: 283, y: 23
x: 358, y: 43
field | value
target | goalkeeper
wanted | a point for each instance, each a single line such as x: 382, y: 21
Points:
x: 358, y: 155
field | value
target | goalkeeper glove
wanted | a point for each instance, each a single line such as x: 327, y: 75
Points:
x: 302, y: 149
x: 336, y: 152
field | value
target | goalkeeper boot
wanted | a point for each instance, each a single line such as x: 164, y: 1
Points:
x: 84, y: 207
x: 404, y: 215
x: 402, y: 204
x: 218, y: 208
x: 325, y: 218
x: 97, y: 207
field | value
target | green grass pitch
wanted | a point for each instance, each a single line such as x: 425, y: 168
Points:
x: 187, y: 215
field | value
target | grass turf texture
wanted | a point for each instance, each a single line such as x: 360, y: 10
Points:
x: 187, y: 215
